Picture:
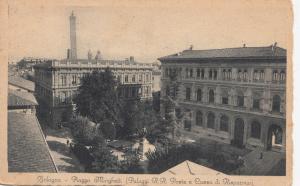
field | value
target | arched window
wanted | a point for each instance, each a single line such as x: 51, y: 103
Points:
x: 240, y: 100
x: 240, y: 75
x: 225, y: 97
x: 215, y: 74
x: 256, y: 101
x: 210, y: 74
x: 199, y: 118
x: 198, y: 73
x: 188, y: 93
x: 275, y: 75
x: 282, y: 75
x: 211, y: 96
x: 167, y: 90
x: 245, y: 75
x: 199, y: 94
x: 262, y: 75
x: 202, y: 74
x: 276, y: 103
x: 186, y: 73
x: 191, y: 73
x: 229, y: 74
x: 224, y: 74
x: 211, y: 120
x: 224, y: 123
x: 255, y: 129
x: 255, y: 75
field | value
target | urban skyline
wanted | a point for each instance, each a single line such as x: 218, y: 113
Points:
x: 121, y: 32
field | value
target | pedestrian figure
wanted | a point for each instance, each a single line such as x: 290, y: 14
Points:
x: 261, y: 156
x: 68, y: 142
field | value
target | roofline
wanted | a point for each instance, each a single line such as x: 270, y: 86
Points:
x: 31, y: 90
x: 40, y: 128
x: 166, y: 58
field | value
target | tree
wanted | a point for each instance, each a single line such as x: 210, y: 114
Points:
x: 84, y: 131
x: 97, y: 97
x: 108, y: 130
x: 104, y: 161
x: 130, y: 164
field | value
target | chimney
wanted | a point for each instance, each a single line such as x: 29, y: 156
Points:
x: 69, y: 53
x: 90, y: 55
x: 131, y: 58
x: 274, y: 47
x: 98, y: 55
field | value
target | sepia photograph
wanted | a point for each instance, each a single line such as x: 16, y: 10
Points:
x: 168, y: 88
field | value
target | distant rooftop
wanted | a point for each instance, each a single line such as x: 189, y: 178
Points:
x: 28, y: 150
x: 240, y: 52
x: 96, y: 63
x: 21, y: 82
x: 18, y: 98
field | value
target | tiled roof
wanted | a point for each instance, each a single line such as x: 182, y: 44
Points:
x: 21, y: 82
x: 18, y: 98
x: 27, y: 148
x: 241, y: 52
x: 191, y: 168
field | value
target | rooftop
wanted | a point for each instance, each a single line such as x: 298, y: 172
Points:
x: 18, y: 98
x: 21, y: 82
x: 191, y: 168
x: 240, y: 52
x: 28, y: 150
x: 93, y: 63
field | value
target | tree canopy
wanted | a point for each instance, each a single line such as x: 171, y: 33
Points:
x: 97, y: 97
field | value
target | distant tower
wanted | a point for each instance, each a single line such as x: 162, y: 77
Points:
x: 73, y: 53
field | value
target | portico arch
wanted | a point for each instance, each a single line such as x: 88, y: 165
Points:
x: 275, y: 137
x: 238, y: 138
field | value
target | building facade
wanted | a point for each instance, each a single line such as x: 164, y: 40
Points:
x: 233, y: 95
x: 57, y: 81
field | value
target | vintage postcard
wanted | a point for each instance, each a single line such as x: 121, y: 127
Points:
x: 158, y: 92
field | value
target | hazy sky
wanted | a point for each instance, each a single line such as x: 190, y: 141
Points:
x: 144, y: 29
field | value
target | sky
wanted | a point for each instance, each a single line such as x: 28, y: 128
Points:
x: 144, y: 29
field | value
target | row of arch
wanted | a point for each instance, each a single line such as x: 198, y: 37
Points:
x: 274, y: 133
x: 276, y: 99
x: 224, y: 123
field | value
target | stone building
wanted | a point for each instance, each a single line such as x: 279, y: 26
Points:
x: 231, y: 95
x: 57, y: 81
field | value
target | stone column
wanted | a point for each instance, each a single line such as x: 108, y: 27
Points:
x: 246, y: 128
x: 204, y: 120
x: 217, y: 122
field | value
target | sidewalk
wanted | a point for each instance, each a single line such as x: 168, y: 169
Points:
x: 57, y: 142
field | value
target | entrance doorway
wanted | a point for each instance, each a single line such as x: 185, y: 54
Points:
x: 238, y: 139
x: 275, y: 138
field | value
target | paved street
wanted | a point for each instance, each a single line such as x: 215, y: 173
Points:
x: 64, y: 160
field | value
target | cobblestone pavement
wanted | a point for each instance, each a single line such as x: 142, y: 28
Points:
x: 63, y: 158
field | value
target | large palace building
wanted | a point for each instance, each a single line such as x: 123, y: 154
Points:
x: 56, y: 81
x: 231, y: 95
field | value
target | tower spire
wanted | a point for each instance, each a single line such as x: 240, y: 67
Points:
x: 73, y: 52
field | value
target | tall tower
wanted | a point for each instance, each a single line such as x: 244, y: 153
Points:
x: 73, y: 53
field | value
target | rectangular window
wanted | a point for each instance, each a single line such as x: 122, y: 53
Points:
x: 225, y: 100
x: 191, y: 73
x: 198, y: 73
x: 188, y: 94
x: 256, y: 104
x: 240, y: 101
x: 126, y: 78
